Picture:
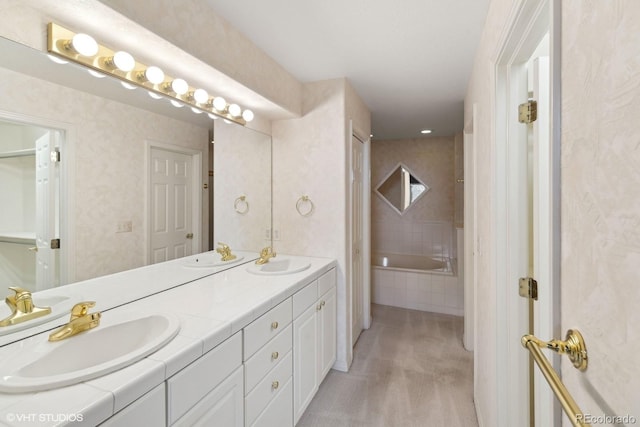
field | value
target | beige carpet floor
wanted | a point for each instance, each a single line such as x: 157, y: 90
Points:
x: 409, y: 369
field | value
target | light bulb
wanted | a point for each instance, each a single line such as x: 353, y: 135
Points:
x: 96, y: 74
x: 201, y: 96
x: 84, y: 44
x: 123, y: 61
x: 154, y: 74
x: 155, y: 95
x: 128, y: 85
x: 57, y: 60
x: 212, y: 116
x: 219, y: 103
x: 235, y: 110
x: 177, y: 104
x: 197, y: 111
x: 247, y: 115
x: 179, y: 86
x: 425, y: 131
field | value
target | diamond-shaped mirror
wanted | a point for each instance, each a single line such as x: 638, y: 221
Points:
x: 401, y: 188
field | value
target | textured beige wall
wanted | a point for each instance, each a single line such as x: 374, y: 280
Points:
x: 431, y: 160
x: 242, y: 167
x: 310, y: 158
x: 481, y: 92
x: 601, y: 200
x: 108, y: 164
x: 194, y: 26
x: 426, y: 228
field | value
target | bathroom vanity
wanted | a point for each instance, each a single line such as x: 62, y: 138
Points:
x: 252, y: 349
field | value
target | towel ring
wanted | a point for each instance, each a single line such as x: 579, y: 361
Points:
x: 305, y: 199
x: 241, y: 205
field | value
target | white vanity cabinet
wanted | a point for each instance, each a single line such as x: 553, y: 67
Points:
x: 314, y: 339
x: 147, y: 410
x: 268, y: 366
x: 201, y: 392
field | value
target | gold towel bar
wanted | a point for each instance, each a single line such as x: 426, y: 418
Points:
x: 573, y: 345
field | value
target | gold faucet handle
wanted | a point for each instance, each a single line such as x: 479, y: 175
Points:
x: 21, y: 300
x: 81, y: 309
x: 223, y: 246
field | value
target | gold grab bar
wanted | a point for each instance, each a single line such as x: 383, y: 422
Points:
x: 574, y: 348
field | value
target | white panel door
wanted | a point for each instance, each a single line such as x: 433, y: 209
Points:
x: 357, y: 285
x: 46, y: 216
x: 171, y: 205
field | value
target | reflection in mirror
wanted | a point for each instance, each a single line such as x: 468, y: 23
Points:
x: 105, y: 132
x: 29, y: 219
x: 242, y: 185
x: 401, y: 189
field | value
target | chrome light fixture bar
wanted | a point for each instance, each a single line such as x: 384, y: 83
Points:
x: 84, y: 50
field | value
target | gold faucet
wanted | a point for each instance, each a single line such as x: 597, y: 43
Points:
x: 81, y: 320
x: 266, y: 254
x: 22, y: 308
x: 225, y: 251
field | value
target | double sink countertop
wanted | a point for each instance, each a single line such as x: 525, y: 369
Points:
x: 210, y: 309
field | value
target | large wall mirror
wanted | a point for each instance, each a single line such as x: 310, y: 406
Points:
x: 100, y: 206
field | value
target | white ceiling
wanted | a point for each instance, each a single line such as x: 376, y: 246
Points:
x: 409, y: 60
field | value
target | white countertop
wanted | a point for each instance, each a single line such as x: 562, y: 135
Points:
x: 210, y: 309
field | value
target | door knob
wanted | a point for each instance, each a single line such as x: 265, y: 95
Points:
x: 190, y: 236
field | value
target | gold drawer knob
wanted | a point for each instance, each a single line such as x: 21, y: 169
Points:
x: 274, y: 325
x: 274, y: 355
x: 318, y: 307
x: 322, y: 303
x: 275, y: 385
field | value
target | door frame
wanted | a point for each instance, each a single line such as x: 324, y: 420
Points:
x: 366, y: 231
x: 470, y: 233
x: 528, y: 22
x: 67, y: 187
x: 196, y: 193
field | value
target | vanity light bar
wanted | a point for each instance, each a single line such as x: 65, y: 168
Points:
x: 83, y: 50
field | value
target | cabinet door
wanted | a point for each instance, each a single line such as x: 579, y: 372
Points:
x: 223, y: 406
x: 305, y: 362
x: 148, y: 410
x: 327, y: 323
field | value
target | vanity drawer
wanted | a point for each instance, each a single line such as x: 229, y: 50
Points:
x: 266, y: 327
x: 304, y: 298
x: 267, y: 358
x: 191, y: 384
x: 326, y: 281
x: 267, y: 389
x: 280, y: 411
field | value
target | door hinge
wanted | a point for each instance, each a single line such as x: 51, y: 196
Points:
x: 55, y: 243
x: 528, y: 112
x: 55, y: 156
x: 528, y: 288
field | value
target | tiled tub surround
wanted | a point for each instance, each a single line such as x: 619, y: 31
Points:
x: 426, y: 290
x: 432, y: 238
x: 211, y: 310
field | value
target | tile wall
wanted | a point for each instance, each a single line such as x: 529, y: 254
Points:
x: 437, y: 293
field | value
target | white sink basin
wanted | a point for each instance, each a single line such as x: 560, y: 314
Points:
x: 60, y: 306
x: 43, y: 365
x: 279, y: 266
x: 208, y: 261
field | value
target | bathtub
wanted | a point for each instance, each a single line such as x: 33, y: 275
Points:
x: 416, y: 282
x: 415, y: 263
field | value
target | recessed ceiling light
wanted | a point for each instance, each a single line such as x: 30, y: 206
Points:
x: 425, y: 131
